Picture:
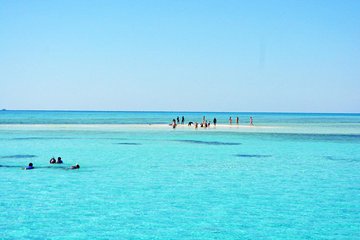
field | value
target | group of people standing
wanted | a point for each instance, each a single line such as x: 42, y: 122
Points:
x: 237, y: 121
x: 205, y: 123
x: 177, y: 121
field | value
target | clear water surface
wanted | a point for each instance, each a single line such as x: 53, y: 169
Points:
x: 159, y: 183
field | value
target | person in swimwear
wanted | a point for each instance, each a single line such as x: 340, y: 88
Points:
x: 174, y: 124
x: 52, y: 160
x: 29, y: 167
x: 59, y: 161
x: 77, y: 166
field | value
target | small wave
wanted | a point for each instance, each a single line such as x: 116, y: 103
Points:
x: 36, y: 167
x: 208, y: 142
x: 9, y: 166
x: 39, y: 138
x: 127, y: 143
x: 332, y: 158
x: 252, y: 156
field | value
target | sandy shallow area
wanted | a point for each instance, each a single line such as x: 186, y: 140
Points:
x: 166, y: 127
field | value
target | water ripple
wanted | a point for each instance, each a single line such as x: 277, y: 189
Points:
x: 20, y: 156
x: 208, y: 142
x: 332, y: 158
x: 39, y: 138
x: 128, y: 143
x: 252, y: 156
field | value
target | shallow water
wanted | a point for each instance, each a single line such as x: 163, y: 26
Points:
x: 160, y: 183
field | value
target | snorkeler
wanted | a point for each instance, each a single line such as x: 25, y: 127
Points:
x: 59, y: 161
x: 29, y: 167
x: 52, y: 160
x: 77, y: 166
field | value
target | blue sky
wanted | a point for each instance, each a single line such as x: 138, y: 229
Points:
x: 191, y: 55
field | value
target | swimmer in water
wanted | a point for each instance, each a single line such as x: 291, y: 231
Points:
x: 59, y: 161
x: 52, y: 160
x: 29, y: 167
x: 77, y: 166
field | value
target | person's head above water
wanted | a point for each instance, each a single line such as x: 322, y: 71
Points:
x: 29, y: 167
x: 77, y: 166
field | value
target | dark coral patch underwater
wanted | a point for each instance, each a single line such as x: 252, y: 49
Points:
x: 252, y: 156
x: 128, y: 143
x: 20, y: 156
x: 208, y: 142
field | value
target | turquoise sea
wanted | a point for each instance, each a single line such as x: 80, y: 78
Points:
x: 291, y: 176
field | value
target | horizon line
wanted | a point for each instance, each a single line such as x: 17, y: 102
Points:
x: 167, y: 111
